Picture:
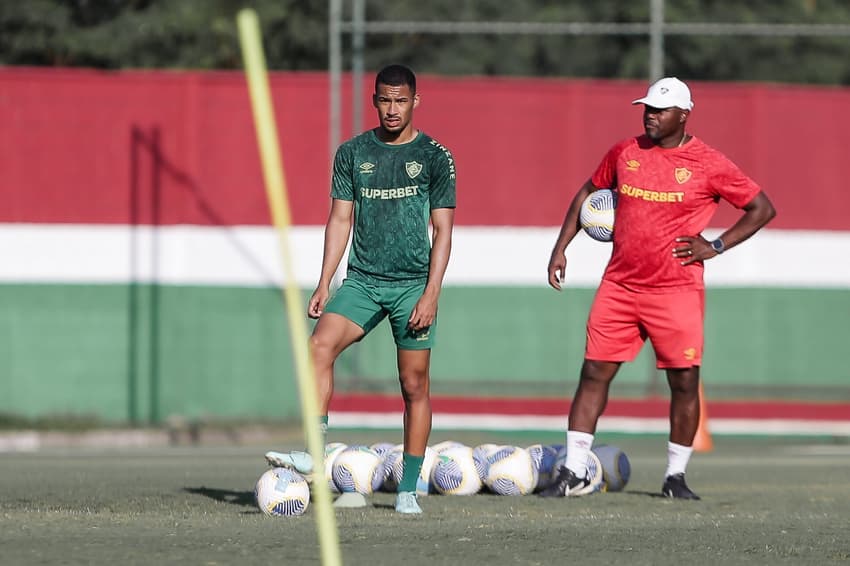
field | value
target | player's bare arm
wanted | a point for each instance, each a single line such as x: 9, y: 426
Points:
x: 558, y: 261
x: 336, y: 238
x: 757, y: 213
x: 442, y: 220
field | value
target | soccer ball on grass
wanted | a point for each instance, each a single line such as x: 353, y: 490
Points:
x: 356, y: 469
x: 455, y: 472
x: 510, y: 471
x: 282, y: 492
x: 616, y: 468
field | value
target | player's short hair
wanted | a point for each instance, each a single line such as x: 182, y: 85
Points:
x: 396, y: 75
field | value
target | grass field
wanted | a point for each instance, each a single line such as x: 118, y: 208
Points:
x: 765, y: 501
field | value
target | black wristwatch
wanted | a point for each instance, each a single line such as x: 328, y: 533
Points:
x: 718, y: 246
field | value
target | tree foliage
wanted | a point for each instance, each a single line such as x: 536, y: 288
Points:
x: 201, y: 34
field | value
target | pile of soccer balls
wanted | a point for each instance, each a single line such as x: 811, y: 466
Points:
x: 449, y: 468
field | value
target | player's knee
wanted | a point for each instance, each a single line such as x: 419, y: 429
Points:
x: 414, y: 384
x: 684, y: 382
x: 595, y: 372
x: 323, y: 350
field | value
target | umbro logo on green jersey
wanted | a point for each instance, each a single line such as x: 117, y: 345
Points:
x: 367, y: 167
x: 413, y: 168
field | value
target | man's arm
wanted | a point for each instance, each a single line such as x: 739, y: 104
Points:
x: 337, y: 231
x: 569, y: 229
x: 757, y: 213
x: 442, y: 220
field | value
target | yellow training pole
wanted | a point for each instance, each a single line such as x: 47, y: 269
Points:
x: 264, y: 121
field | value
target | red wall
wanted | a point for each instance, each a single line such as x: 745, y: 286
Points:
x: 179, y: 147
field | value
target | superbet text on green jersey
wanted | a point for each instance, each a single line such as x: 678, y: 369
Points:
x: 394, y: 188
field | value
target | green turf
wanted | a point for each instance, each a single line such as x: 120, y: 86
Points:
x: 765, y: 501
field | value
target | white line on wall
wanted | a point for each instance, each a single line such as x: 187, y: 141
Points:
x: 249, y: 256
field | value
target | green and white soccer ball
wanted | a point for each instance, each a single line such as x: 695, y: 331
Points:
x: 282, y: 492
x: 440, y: 447
x: 455, y: 472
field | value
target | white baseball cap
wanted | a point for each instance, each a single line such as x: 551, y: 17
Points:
x: 668, y: 92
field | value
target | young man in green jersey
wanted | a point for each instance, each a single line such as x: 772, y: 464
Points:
x: 388, y: 184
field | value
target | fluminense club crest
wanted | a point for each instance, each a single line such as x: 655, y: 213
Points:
x: 413, y: 168
x: 682, y: 175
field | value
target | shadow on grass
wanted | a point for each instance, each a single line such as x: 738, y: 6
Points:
x: 243, y: 498
x: 659, y: 495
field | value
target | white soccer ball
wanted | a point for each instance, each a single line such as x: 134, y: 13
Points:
x: 597, y: 214
x: 382, y: 447
x: 281, y: 492
x: 332, y: 450
x: 445, y: 445
x: 481, y: 453
x: 355, y: 470
x: 510, y: 471
x: 455, y: 472
x: 594, y: 468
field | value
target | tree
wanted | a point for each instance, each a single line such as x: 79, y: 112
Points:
x: 201, y: 34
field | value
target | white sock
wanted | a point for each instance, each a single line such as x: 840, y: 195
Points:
x: 578, y: 446
x: 677, y: 458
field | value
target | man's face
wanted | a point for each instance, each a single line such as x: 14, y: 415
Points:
x: 660, y: 123
x: 395, y: 106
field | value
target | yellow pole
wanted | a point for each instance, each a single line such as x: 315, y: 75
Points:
x: 264, y: 122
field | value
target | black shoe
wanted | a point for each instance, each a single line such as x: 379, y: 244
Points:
x: 675, y: 488
x: 567, y: 484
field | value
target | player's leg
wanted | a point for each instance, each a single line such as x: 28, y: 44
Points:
x: 591, y: 395
x: 414, y: 364
x: 332, y: 334
x: 414, y: 378
x: 413, y: 371
x: 348, y: 316
x: 613, y: 336
x: 587, y: 406
x: 675, y: 326
x: 684, y: 404
x: 684, y: 421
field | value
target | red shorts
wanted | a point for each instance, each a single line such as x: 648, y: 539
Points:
x: 621, y: 320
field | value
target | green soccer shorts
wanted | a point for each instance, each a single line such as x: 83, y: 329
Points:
x: 367, y: 305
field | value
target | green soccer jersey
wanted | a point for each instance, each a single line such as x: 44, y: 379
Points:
x: 394, y: 188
